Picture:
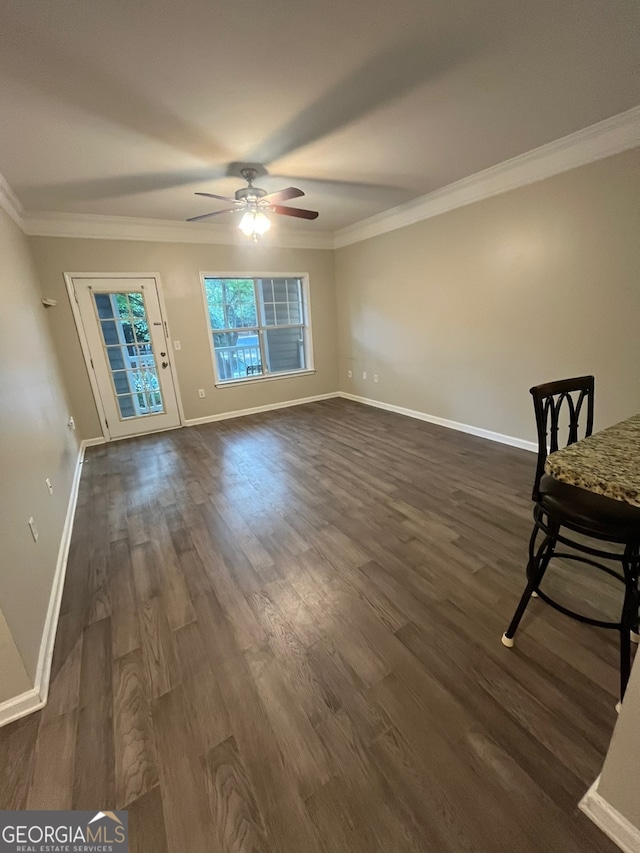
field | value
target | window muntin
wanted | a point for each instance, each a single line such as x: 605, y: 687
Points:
x: 259, y: 326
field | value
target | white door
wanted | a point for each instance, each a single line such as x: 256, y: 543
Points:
x: 128, y: 351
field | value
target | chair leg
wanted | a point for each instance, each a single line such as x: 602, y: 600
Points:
x: 627, y: 620
x: 536, y: 568
x: 629, y: 617
x: 625, y: 659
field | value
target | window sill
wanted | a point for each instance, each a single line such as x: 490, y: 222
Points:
x: 271, y: 377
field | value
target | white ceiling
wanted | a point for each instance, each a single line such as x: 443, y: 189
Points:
x: 126, y: 107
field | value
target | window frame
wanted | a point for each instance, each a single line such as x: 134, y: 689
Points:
x: 262, y: 328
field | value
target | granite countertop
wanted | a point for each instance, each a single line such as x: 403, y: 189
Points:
x: 607, y: 463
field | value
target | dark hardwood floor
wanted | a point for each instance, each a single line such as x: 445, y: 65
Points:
x: 282, y: 633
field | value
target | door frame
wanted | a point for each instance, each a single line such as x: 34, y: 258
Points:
x: 84, y: 344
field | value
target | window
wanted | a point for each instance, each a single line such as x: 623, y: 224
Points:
x: 259, y: 326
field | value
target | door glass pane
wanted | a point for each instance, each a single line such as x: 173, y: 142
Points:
x: 104, y: 306
x: 109, y: 331
x: 125, y: 404
x: 141, y: 330
x: 129, y: 353
x: 121, y: 382
x: 122, y: 305
x: 116, y: 358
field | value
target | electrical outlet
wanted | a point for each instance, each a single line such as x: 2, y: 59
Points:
x: 201, y: 392
x: 375, y: 377
x: 34, y: 529
x: 350, y: 374
x: 49, y: 486
x: 364, y: 374
x: 177, y: 345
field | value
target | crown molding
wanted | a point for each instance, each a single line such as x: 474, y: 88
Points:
x: 10, y: 203
x: 98, y: 227
x: 611, y: 136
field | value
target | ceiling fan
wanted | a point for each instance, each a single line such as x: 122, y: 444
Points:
x: 255, y: 203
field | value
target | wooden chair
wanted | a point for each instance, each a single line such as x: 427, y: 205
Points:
x: 560, y: 507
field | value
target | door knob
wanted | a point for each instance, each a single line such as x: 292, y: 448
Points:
x: 165, y: 364
x: 163, y: 354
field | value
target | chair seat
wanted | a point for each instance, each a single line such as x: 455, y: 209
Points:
x: 589, y: 513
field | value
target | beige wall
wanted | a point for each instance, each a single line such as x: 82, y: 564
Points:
x: 13, y: 676
x: 620, y: 779
x: 460, y: 314
x: 179, y: 266
x: 35, y: 443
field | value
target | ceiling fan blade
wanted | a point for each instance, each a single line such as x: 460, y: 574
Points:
x: 215, y: 213
x: 283, y: 195
x: 220, y: 197
x: 300, y: 212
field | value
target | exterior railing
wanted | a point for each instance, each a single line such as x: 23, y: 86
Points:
x: 238, y: 362
x: 146, y: 394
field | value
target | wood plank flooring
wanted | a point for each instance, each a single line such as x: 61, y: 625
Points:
x: 281, y: 634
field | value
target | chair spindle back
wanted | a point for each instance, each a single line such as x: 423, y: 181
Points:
x: 556, y: 401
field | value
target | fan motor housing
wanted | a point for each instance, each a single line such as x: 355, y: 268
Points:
x: 250, y: 194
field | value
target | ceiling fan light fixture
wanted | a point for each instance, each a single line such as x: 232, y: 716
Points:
x: 254, y: 224
x: 253, y: 202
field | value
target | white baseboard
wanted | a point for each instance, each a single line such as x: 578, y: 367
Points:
x: 19, y: 706
x: 620, y: 830
x: 433, y: 419
x: 43, y: 671
x: 389, y: 407
x: 36, y: 698
x: 93, y: 442
x: 223, y: 416
x: 400, y: 410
